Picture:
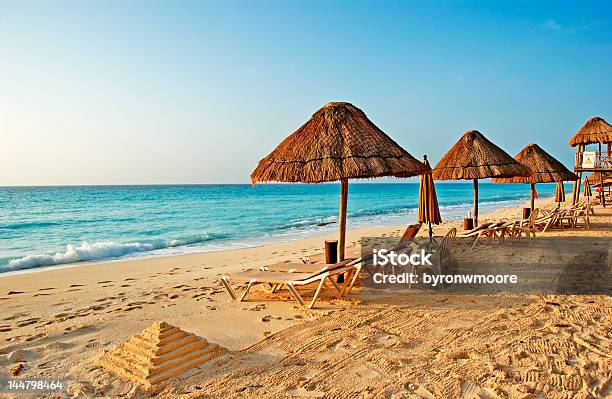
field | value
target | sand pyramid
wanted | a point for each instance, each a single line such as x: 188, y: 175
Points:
x: 160, y: 352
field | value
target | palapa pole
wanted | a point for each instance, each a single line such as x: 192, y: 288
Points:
x: 475, y: 202
x: 342, y: 218
x: 603, y: 193
x: 576, y: 193
x: 532, y: 202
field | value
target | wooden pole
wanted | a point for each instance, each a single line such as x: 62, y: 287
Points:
x: 576, y: 193
x: 577, y: 188
x: 475, y: 203
x: 342, y: 218
x: 603, y: 193
x: 532, y: 202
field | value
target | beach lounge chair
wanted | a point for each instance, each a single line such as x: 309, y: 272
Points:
x: 525, y: 226
x: 409, y: 234
x: 546, y: 221
x: 583, y: 213
x: 475, y: 233
x: 500, y: 230
x: 444, y: 250
x: 407, y: 237
x: 571, y: 215
x: 292, y: 280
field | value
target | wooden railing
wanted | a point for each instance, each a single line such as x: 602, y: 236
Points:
x: 602, y: 160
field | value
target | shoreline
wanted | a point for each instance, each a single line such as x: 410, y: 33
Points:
x: 306, y: 235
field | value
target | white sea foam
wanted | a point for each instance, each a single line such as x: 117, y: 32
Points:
x: 98, y: 250
x: 82, y: 252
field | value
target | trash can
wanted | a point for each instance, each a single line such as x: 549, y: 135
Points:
x: 468, y: 223
x: 526, y: 213
x: 331, y: 251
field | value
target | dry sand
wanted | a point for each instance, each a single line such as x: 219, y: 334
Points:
x: 56, y: 324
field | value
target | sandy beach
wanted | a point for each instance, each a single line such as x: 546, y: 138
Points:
x: 57, y: 323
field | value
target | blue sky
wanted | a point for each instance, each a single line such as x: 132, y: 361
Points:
x: 114, y: 92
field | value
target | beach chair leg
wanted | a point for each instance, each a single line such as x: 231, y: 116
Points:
x: 316, y: 294
x: 475, y: 242
x: 335, y: 285
x: 296, y: 294
x: 353, y: 280
x: 246, y: 291
x: 229, y: 288
x: 347, y: 282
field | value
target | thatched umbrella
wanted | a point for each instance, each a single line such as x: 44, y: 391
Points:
x: 595, y: 130
x: 603, y: 179
x: 543, y: 167
x: 599, y: 177
x: 429, y: 211
x: 474, y: 157
x: 339, y: 142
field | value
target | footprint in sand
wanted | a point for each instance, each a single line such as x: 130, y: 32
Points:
x: 104, y: 282
x: 94, y: 343
x: 35, y: 337
x: 57, y: 346
x: 14, y: 292
x: 28, y: 322
x: 76, y: 285
x: 40, y: 294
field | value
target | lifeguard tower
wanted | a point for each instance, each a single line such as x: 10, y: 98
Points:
x: 589, y: 156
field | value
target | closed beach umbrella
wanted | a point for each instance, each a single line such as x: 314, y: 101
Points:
x: 560, y: 193
x: 429, y: 211
x: 587, y: 188
x: 339, y: 142
x: 474, y: 157
x: 543, y: 169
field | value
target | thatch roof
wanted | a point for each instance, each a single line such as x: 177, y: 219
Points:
x: 544, y: 168
x: 475, y: 157
x: 338, y: 142
x: 596, y: 130
x: 595, y: 178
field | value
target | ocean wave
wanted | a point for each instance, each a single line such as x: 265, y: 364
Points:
x: 102, y: 250
x: 51, y: 223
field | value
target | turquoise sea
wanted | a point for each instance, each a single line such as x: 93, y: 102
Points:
x: 43, y: 226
